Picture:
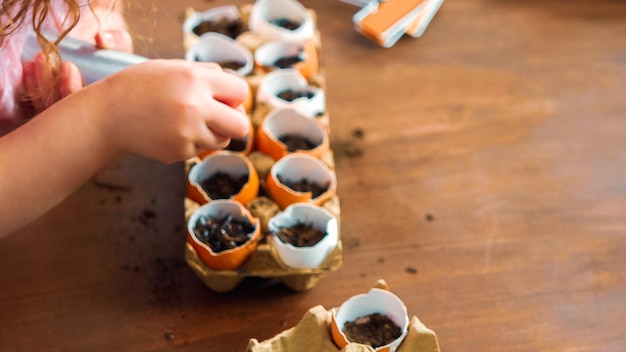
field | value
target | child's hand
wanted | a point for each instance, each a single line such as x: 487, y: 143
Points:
x: 170, y: 110
x: 104, y: 26
x: 114, y: 39
x: 36, y: 75
x: 38, y: 89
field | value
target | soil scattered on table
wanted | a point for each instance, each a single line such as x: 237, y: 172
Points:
x: 296, y: 142
x: 358, y: 133
x: 301, y: 235
x: 349, y: 148
x: 169, y: 335
x: 146, y: 216
x: 111, y: 186
x: 167, y: 282
x: 222, y: 185
x: 374, y: 330
x: 303, y: 185
x: 411, y: 270
x: 223, y: 234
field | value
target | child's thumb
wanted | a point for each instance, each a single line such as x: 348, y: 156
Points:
x: 71, y: 80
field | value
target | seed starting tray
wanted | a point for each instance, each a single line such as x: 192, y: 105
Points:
x: 264, y: 261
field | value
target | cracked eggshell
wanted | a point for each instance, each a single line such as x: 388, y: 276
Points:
x: 268, y: 54
x: 290, y: 79
x: 287, y: 121
x: 298, y: 166
x: 304, y: 257
x: 231, y: 163
x: 265, y: 11
x: 375, y: 301
x: 231, y: 258
x: 218, y: 48
x: 215, y: 15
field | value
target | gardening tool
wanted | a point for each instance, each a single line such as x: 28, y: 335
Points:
x: 92, y: 62
x: 386, y: 21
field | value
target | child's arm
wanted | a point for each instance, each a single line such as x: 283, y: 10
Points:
x: 166, y: 110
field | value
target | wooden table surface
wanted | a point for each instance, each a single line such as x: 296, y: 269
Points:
x: 490, y: 195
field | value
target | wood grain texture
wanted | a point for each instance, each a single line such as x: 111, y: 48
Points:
x: 490, y: 195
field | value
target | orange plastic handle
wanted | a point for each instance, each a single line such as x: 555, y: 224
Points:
x: 388, y: 13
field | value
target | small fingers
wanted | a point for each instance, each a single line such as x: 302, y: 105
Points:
x: 36, y: 79
x: 114, y: 39
x: 209, y: 140
x: 209, y: 65
x: 39, y: 84
x: 227, y: 121
x: 232, y: 92
x: 71, y: 79
x: 218, y: 144
x: 226, y: 87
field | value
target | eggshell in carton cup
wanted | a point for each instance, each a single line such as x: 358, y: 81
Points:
x: 231, y: 258
x: 375, y: 301
x: 303, y: 213
x: 265, y: 11
x: 281, y: 80
x: 215, y: 15
x: 314, y: 331
x: 268, y: 54
x: 231, y: 163
x: 295, y: 167
x: 287, y: 121
x: 216, y: 47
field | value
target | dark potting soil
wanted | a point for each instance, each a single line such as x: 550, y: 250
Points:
x: 228, y: 27
x: 286, y: 23
x: 289, y: 61
x: 223, y: 234
x: 291, y: 94
x: 222, y: 185
x: 232, y: 65
x: 303, y: 185
x: 237, y: 145
x: 374, y: 330
x: 301, y: 235
x: 295, y: 142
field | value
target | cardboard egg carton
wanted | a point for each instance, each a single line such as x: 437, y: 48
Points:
x: 314, y: 331
x: 264, y: 261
